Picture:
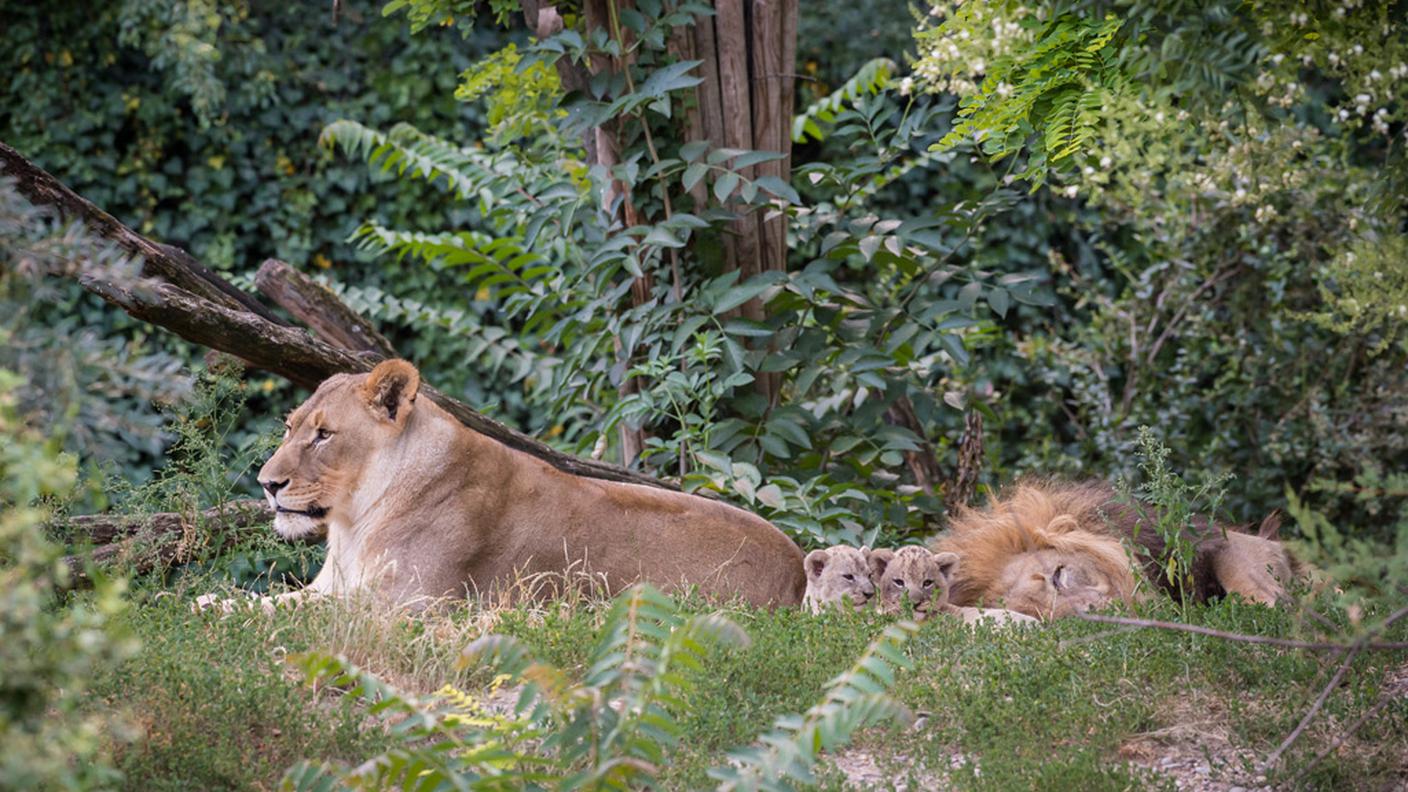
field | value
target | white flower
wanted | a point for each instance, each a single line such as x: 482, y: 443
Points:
x: 906, y: 85
x: 1072, y: 191
x: 1375, y: 76
x: 1106, y: 162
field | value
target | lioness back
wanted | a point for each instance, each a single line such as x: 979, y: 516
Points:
x: 416, y: 505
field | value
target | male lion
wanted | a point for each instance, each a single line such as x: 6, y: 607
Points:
x: 1051, y: 549
x: 414, y: 505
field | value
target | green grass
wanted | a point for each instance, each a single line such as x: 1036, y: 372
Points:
x: 1062, y: 706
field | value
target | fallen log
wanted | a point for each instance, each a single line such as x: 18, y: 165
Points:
x: 316, y: 306
x: 143, y: 543
x: 264, y: 343
x: 170, y: 263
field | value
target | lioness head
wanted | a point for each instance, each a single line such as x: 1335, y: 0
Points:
x: 912, y: 573
x: 330, y: 446
x: 837, y: 575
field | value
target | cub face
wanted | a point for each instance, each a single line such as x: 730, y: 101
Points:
x: 838, y: 575
x: 912, y: 573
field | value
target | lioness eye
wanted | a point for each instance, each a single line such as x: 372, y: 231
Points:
x: 849, y: 577
x: 322, y: 434
x: 928, y: 584
x: 899, y: 583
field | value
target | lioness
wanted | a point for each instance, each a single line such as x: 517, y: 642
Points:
x: 837, y: 575
x: 1050, y: 549
x: 415, y: 505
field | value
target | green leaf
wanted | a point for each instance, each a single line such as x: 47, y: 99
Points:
x: 693, y: 150
x: 693, y: 174
x: 725, y: 184
x: 998, y: 301
x: 662, y: 237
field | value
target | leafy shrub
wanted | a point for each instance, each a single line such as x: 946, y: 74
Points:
x: 49, y: 647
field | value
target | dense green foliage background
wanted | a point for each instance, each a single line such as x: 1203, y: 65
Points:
x: 1154, y: 238
x: 197, y: 124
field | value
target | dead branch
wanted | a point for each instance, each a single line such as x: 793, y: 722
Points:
x: 1315, y: 707
x: 170, y: 263
x: 1349, y: 731
x: 1354, y: 652
x: 316, y: 306
x: 100, y: 529
x: 262, y: 342
x: 156, y: 540
x: 1288, y: 643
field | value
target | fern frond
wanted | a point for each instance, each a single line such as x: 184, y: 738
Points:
x: 854, y: 699
x: 869, y: 79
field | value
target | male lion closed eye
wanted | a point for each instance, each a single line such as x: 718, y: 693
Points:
x: 415, y: 505
x: 1052, y: 549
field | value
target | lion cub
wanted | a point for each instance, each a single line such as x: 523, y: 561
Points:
x: 923, y: 577
x: 839, y: 574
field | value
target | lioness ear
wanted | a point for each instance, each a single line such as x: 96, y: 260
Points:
x: 879, y: 559
x: 948, y: 564
x: 390, y: 390
x: 815, y: 562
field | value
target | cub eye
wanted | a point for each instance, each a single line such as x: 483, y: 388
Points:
x: 928, y: 584
x: 899, y: 583
x: 849, y: 576
x: 322, y: 434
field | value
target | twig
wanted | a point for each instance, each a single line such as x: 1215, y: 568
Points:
x: 1329, y: 688
x: 1100, y: 636
x: 1314, y: 710
x: 1344, y: 735
x: 1323, y: 646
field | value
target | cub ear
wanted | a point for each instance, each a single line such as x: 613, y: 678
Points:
x: 948, y: 564
x: 390, y: 390
x: 815, y: 562
x: 879, y: 560
x: 1271, y: 526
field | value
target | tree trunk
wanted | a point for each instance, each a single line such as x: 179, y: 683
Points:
x: 748, y: 50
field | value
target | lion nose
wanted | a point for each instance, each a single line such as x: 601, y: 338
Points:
x: 273, y: 487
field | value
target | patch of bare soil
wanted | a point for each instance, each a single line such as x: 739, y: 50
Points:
x: 866, y: 767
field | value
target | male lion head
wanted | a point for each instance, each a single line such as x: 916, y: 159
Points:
x: 837, y: 575
x: 913, y: 573
x: 1051, y: 583
x: 332, y: 444
x: 1044, y: 551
